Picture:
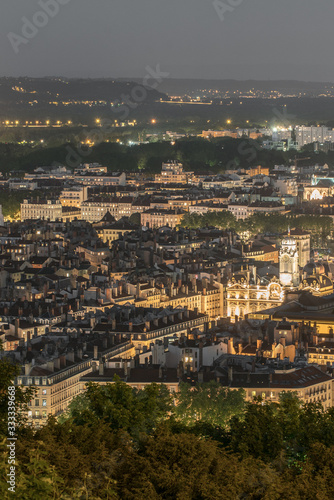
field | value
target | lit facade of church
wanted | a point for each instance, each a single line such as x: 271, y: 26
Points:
x: 246, y: 294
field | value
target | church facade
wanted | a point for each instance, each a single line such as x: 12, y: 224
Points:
x: 245, y: 295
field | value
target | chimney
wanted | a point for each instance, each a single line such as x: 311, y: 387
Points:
x: 258, y: 344
x: 70, y: 356
x: 56, y: 363
x: 27, y: 368
x: 147, y: 325
x: 105, y: 343
x: 230, y: 347
x: 113, y: 324
x: 96, y: 351
x: 130, y: 326
x: 101, y: 367
x: 50, y: 365
x: 17, y: 325
x: 62, y: 360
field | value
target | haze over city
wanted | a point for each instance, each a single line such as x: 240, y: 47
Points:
x: 253, y: 39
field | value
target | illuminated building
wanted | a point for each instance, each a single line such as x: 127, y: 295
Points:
x: 159, y: 218
x: 289, y: 262
x: 319, y: 189
x: 310, y: 383
x: 303, y: 242
x: 321, y: 354
x: 259, y: 170
x: 246, y: 294
x: 73, y: 197
x: 95, y: 209
x: 173, y: 173
x: 47, y: 210
x: 307, y: 135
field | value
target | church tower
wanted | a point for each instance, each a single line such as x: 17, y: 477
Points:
x: 288, y: 262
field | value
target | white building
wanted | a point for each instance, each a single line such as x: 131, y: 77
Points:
x: 286, y: 185
x: 307, y: 135
x: 73, y: 197
x: 47, y: 210
x: 95, y: 210
x: 289, y: 262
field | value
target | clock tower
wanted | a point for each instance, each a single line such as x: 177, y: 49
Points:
x: 288, y: 262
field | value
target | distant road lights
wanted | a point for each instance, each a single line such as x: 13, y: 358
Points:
x: 153, y: 121
x: 228, y: 122
x: 98, y: 121
x: 47, y: 122
x: 16, y: 122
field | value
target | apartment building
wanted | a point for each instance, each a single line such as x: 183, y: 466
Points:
x: 307, y: 135
x: 114, y: 179
x: 47, y: 210
x: 57, y: 382
x: 155, y: 218
x: 173, y: 173
x: 310, y: 384
x: 73, y: 197
x: 95, y: 209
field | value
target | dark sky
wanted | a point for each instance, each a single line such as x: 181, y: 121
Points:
x: 258, y: 39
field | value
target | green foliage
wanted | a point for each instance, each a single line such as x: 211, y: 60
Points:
x: 222, y: 220
x: 135, y: 219
x: 116, y: 443
x: 320, y: 227
x: 208, y: 402
x: 11, y: 201
x: 121, y: 407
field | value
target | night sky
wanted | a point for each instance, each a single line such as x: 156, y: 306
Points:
x: 257, y: 39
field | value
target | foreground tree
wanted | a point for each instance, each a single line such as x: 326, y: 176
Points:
x: 209, y: 402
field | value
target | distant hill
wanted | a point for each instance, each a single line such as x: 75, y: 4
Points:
x: 46, y: 90
x: 172, y: 86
